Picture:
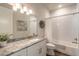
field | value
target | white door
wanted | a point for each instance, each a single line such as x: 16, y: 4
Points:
x: 32, y: 25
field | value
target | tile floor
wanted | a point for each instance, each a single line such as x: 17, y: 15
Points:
x: 57, y: 53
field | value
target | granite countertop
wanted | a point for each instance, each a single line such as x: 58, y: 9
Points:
x: 18, y: 45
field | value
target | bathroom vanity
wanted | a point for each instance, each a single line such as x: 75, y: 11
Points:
x: 26, y: 47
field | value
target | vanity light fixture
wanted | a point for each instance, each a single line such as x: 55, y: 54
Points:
x: 14, y: 8
x: 22, y: 9
x: 30, y: 11
x: 18, y: 6
x: 25, y: 9
x: 27, y: 13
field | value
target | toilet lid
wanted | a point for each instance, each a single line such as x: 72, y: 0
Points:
x: 50, y: 44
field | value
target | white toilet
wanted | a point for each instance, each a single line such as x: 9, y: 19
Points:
x: 50, y: 49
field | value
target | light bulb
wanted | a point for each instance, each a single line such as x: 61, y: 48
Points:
x: 30, y: 11
x: 25, y: 9
x: 18, y: 6
x: 21, y: 11
x: 14, y: 8
x: 27, y: 13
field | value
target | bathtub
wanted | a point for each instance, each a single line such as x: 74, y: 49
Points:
x: 67, y: 48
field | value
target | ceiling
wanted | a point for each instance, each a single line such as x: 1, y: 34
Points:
x: 54, y: 6
x: 51, y: 6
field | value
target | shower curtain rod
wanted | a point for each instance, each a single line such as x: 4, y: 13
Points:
x: 61, y: 15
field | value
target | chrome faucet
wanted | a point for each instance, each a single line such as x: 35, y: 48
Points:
x: 76, y: 41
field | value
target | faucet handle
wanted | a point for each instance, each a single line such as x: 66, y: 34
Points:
x: 75, y: 39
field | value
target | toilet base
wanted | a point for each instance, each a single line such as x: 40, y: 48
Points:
x: 50, y: 52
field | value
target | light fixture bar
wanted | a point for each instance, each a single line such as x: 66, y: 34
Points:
x: 22, y: 9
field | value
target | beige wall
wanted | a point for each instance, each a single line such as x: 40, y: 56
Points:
x: 6, y: 20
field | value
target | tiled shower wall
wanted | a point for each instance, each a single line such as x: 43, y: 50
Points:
x: 64, y: 28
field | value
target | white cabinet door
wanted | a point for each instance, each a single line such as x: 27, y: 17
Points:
x: 20, y: 53
x: 42, y: 48
x: 38, y: 49
x: 33, y: 50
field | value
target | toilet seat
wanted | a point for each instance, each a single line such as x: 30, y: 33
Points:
x: 50, y: 46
